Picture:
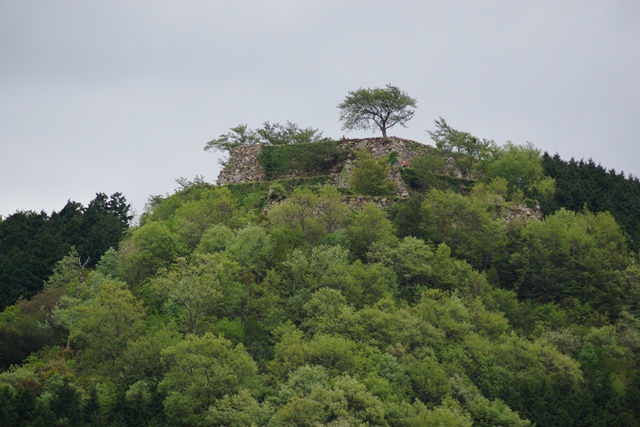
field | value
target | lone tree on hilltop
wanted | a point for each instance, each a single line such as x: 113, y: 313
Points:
x: 377, y: 108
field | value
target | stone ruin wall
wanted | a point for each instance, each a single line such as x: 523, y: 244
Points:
x: 244, y: 164
x: 404, y: 148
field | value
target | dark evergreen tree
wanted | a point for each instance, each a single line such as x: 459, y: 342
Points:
x: 31, y: 243
x: 581, y: 185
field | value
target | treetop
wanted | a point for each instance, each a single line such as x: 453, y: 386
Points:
x: 377, y: 108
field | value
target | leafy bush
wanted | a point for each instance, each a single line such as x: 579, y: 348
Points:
x: 370, y: 176
x: 416, y: 180
x: 393, y: 158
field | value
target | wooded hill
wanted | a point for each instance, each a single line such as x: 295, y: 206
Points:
x: 442, y: 309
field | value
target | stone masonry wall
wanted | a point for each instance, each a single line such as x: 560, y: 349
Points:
x: 244, y: 166
x: 405, y: 150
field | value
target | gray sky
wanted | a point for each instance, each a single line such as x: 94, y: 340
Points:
x: 123, y: 95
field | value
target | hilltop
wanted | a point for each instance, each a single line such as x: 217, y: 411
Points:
x: 291, y: 294
x: 333, y: 159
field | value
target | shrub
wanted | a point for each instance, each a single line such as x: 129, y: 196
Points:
x: 370, y: 176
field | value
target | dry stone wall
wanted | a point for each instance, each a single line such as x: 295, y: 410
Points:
x: 244, y: 164
x: 523, y: 213
x: 405, y: 150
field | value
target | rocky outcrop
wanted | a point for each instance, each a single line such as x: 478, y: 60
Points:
x: 359, y: 202
x: 523, y: 213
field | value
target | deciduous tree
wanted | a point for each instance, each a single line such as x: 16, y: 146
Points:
x: 201, y: 371
x: 577, y: 255
x: 370, y: 176
x: 464, y: 148
x: 464, y: 225
x: 110, y: 320
x: 239, y: 136
x: 193, y: 287
x: 376, y: 109
x: 368, y: 227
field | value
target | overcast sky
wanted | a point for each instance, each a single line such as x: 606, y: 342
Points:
x: 121, y: 96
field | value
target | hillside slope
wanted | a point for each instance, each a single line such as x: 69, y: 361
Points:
x: 443, y: 307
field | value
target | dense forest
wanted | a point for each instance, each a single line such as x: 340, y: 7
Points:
x: 32, y: 243
x: 279, y: 303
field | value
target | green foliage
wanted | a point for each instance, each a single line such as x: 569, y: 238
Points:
x: 411, y: 261
x: 448, y: 414
x: 201, y: 371
x: 346, y: 402
x: 418, y: 265
x: 60, y: 403
x: 370, y: 176
x: 141, y: 362
x: 427, y: 377
x: 108, y: 264
x: 240, y: 409
x: 288, y: 134
x: 250, y: 196
x: 576, y: 255
x: 109, y: 320
x: 308, y: 217
x: 252, y: 248
x: 215, y: 239
x: 370, y: 227
x: 31, y: 243
x: 311, y: 313
x: 213, y: 207
x: 521, y: 167
x: 23, y: 330
x: 316, y: 158
x: 465, y: 225
x: 297, y: 216
x: 149, y: 248
x: 377, y: 108
x: 163, y: 207
x: 333, y: 213
x: 239, y: 136
x: 583, y: 183
x: 193, y: 288
x: 329, y: 266
x: 463, y: 148
x: 426, y: 171
x: 392, y: 158
x: 269, y: 134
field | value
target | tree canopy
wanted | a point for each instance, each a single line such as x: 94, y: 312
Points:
x: 465, y: 149
x: 269, y: 134
x: 31, y: 243
x: 376, y: 109
x: 296, y: 303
